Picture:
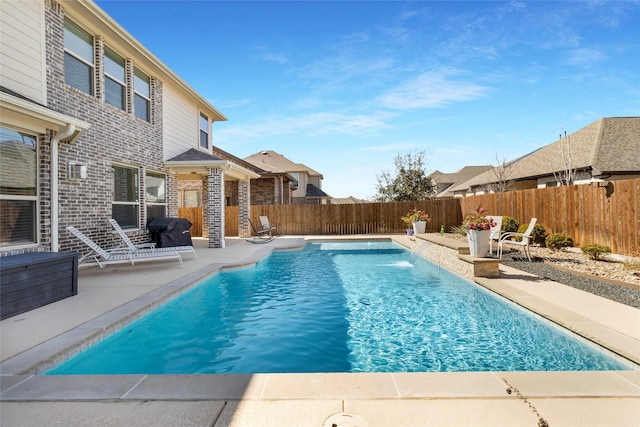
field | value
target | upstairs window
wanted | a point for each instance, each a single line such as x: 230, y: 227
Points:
x: 142, y: 95
x: 204, y: 131
x: 125, y: 204
x: 156, y: 195
x: 18, y: 188
x: 114, y: 79
x: 78, y: 58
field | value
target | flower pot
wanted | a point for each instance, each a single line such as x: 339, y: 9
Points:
x: 478, y: 242
x: 419, y: 227
x: 409, y: 231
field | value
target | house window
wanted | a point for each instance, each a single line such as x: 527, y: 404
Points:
x: 78, y: 57
x: 125, y: 203
x: 296, y: 179
x: 156, y: 192
x: 204, y: 131
x: 114, y: 79
x: 18, y: 188
x: 142, y: 97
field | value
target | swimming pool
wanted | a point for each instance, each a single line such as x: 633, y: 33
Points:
x: 337, y: 307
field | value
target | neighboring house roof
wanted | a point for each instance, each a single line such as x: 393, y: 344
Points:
x: 228, y: 156
x: 313, y: 191
x: 278, y: 161
x: 446, y: 181
x: 606, y: 146
x: 265, y: 167
x: 347, y: 200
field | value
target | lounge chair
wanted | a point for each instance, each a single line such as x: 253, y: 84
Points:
x: 147, y: 246
x: 517, y: 239
x: 104, y: 257
x: 261, y: 236
x: 495, y: 231
x: 264, y: 222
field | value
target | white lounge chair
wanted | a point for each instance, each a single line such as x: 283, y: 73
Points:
x: 104, y: 257
x: 264, y: 223
x: 517, y: 239
x: 495, y: 231
x: 146, y: 246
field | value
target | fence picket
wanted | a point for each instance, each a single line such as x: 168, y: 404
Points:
x: 587, y: 213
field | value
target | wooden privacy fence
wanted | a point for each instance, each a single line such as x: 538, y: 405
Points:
x: 363, y: 218
x: 588, y: 213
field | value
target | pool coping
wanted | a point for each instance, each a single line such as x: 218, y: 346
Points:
x: 19, y: 384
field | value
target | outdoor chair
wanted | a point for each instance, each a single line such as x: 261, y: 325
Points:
x: 261, y: 236
x: 517, y: 239
x: 495, y: 231
x: 148, y: 246
x: 264, y: 222
x: 104, y: 257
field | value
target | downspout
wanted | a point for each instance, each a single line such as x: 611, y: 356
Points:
x: 66, y: 132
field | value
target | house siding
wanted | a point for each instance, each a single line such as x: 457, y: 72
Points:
x: 180, y: 120
x: 23, y: 48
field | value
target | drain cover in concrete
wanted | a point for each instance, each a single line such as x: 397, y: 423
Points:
x: 344, y: 419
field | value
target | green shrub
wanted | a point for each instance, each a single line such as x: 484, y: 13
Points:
x: 595, y: 251
x: 539, y: 235
x: 509, y: 225
x: 558, y: 241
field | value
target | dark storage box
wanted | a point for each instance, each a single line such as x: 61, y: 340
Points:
x: 168, y: 232
x: 32, y: 280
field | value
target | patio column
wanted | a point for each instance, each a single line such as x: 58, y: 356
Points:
x: 244, y: 207
x: 215, y: 203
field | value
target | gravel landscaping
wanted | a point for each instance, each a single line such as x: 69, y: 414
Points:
x: 625, y: 294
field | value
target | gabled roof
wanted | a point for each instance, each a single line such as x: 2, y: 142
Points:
x: 279, y: 162
x: 608, y: 145
x: 446, y: 181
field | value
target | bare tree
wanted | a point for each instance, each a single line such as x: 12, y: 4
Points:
x: 568, y: 173
x: 502, y: 172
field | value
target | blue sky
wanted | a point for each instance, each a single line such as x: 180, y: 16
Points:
x: 345, y: 86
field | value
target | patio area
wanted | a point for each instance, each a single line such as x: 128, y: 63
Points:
x: 114, y: 296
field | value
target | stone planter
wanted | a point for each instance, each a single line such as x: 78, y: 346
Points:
x: 478, y: 242
x: 419, y: 227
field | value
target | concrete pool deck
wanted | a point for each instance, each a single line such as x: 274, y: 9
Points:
x: 401, y: 399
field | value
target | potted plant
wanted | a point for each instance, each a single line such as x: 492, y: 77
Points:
x: 478, y: 227
x: 417, y: 219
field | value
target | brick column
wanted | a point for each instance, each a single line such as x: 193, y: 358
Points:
x: 215, y: 203
x: 244, y: 208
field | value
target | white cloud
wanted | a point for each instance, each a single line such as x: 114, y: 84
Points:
x: 313, y: 124
x: 431, y: 90
x: 585, y: 57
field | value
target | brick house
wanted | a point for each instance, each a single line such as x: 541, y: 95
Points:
x: 121, y: 132
x: 305, y: 183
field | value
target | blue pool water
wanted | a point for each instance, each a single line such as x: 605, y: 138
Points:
x: 337, y: 307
